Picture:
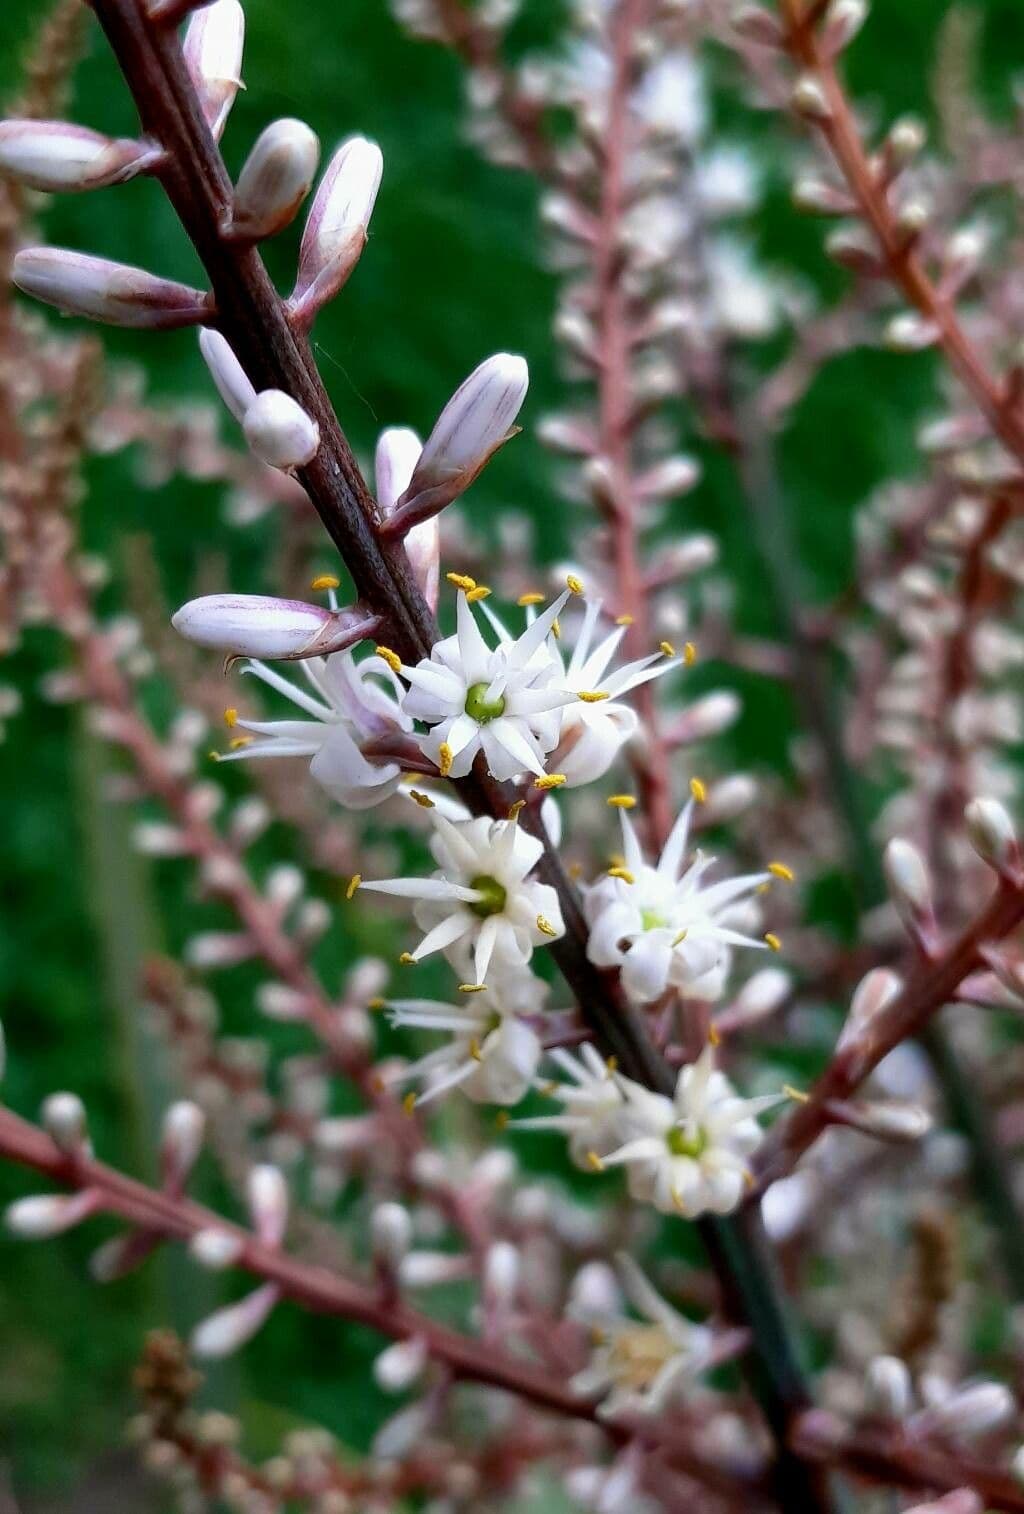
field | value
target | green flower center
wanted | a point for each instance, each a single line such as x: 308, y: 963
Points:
x: 492, y: 895
x: 682, y: 1145
x: 651, y: 920
x: 479, y: 707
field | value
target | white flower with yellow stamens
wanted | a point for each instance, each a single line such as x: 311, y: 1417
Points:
x: 503, y: 701
x: 345, y: 704
x: 592, y: 1106
x: 662, y: 926
x: 689, y: 1154
x: 482, y: 898
x: 642, y: 1368
x: 492, y: 1053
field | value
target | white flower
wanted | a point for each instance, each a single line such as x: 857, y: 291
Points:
x: 641, y: 1368
x: 481, y: 898
x: 671, y: 98
x: 344, y: 705
x: 501, y: 701
x: 660, y: 925
x: 688, y: 1154
x: 492, y: 1054
x: 592, y: 1106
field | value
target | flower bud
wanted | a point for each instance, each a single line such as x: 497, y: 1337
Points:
x: 64, y: 1119
x: 216, y: 1249
x: 910, y: 332
x: 336, y: 230
x: 670, y: 478
x: 708, y: 716
x: 992, y: 834
x: 872, y: 996
x: 398, y: 452
x: 398, y: 1367
x: 390, y: 1235
x: 909, y: 882
x: 232, y: 382
x: 275, y: 179
x: 250, y: 625
x: 960, y: 1501
x: 809, y: 99
x: 430, y: 1269
x: 501, y: 1274
x: 843, y: 20
x: 888, y: 1389
x: 229, y: 1329
x: 755, y: 24
x: 476, y: 421
x: 279, y: 431
x: 762, y: 995
x: 43, y: 1215
x: 181, y: 1140
x: 973, y: 1410
x: 56, y: 155
x: 212, y: 50
x: 595, y: 1291
x: 268, y: 1203
x: 114, y: 293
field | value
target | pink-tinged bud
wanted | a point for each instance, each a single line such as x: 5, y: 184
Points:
x: 992, y: 834
x: 216, y: 1249
x: 398, y: 452
x: 477, y: 420
x: 872, y: 996
x: 275, y: 180
x: 114, y: 293
x: 268, y: 1203
x: 182, y: 1140
x: 759, y: 26
x: 670, y: 478
x: 47, y: 1214
x: 227, y: 373
x: 889, y: 1391
x: 229, y: 1329
x: 336, y: 230
x: 809, y: 99
x: 501, y: 1274
x: 279, y: 431
x: 397, y: 1368
x: 121, y: 1255
x: 257, y: 625
x: 910, y: 332
x: 213, y: 56
x: 595, y: 1291
x: 57, y: 155
x: 843, y: 20
x: 390, y: 1235
x: 889, y: 1120
x: 708, y: 716
x: 430, y: 1269
x: 960, y: 1501
x: 975, y: 1409
x: 762, y: 995
x: 909, y: 882
x: 64, y: 1120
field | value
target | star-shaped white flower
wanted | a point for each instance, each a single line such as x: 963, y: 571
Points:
x: 344, y: 705
x: 689, y: 1154
x: 482, y: 897
x: 662, y: 925
x: 502, y: 700
x: 592, y: 1106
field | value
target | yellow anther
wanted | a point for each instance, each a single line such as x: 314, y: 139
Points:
x: 621, y: 801
x: 772, y: 941
x: 612, y: 1064
x: 472, y: 988
x: 623, y: 620
x: 407, y: 959
x: 409, y: 1102
x: 623, y: 873
x: 593, y: 696
x: 480, y: 592
x: 377, y: 1004
x: 616, y: 859
x: 714, y: 1036
x: 677, y: 1202
x: 392, y: 659
x: 474, y: 1049
x: 575, y: 870
x: 501, y: 1119
x: 377, y: 1083
x: 239, y: 742
x: 231, y: 717
x: 514, y: 810
x: 689, y: 654
x: 525, y: 600
x: 461, y: 581
x: 214, y: 755
x: 353, y: 884
x: 325, y: 581
x: 667, y: 647
x: 549, y: 781
x: 445, y: 758
x: 781, y: 870
x: 545, y: 927
x: 796, y: 1094
x: 678, y: 940
x: 548, y: 1089
x: 698, y: 790
x: 574, y: 584
x: 423, y: 800
x: 556, y: 629
x: 594, y: 1162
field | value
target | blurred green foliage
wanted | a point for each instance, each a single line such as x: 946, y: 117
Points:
x: 451, y: 274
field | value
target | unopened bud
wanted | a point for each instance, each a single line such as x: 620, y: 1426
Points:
x: 336, y: 230
x: 501, y: 1274
x: 232, y: 382
x: 64, y: 1119
x: 992, y: 833
x: 279, y: 431
x: 708, y: 716
x: 595, y: 1292
x: 212, y: 50
x: 872, y: 996
x: 275, y: 179
x: 182, y: 1140
x: 906, y: 139
x: 809, y: 99
x: 976, y: 1409
x: 229, y: 1329
x: 888, y: 1389
x: 114, y: 293
x: 398, y: 452
x: 754, y: 24
x: 268, y: 1203
x: 216, y: 1249
x: 762, y: 995
x: 251, y: 625
x: 57, y: 155
x: 398, y: 1367
x: 910, y: 332
x: 674, y: 476
x: 909, y: 882
x: 843, y: 20
x: 391, y: 1235
x: 43, y: 1215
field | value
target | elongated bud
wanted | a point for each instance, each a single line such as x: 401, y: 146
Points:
x: 667, y: 479
x: 398, y: 1367
x: 279, y: 431
x: 708, y: 716
x: 992, y: 834
x: 64, y: 1120
x: 761, y: 996
x: 275, y: 179
x: 843, y: 20
x: 755, y: 24
x: 268, y: 1203
x: 890, y: 1120
x: 390, y: 1235
x: 227, y: 373
x: 181, y: 1141
x: 257, y: 625
x: 43, y: 1215
x: 809, y: 99
x: 114, y: 293
x: 909, y: 883
x: 57, y: 155
x: 216, y: 1249
x: 212, y: 50
x: 595, y: 1291
x: 976, y: 1409
x: 398, y: 452
x: 872, y: 996
x: 336, y: 230
x: 501, y: 1274
x: 889, y: 1391
x: 477, y: 420
x: 960, y: 1501
x: 229, y: 1329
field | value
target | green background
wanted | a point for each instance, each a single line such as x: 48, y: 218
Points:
x: 451, y: 274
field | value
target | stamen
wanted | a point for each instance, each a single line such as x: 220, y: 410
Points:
x: 689, y: 654
x: 231, y: 717
x: 480, y: 592
x: 623, y: 620
x: 621, y: 801
x: 407, y: 959
x: 423, y: 800
x: 472, y: 988
x: 501, y: 1119
x: 556, y: 629
x: 409, y: 1102
x: 623, y: 873
x: 461, y: 581
x: 772, y: 941
x: 239, y: 742
x: 714, y: 1035
x: 549, y: 781
x: 796, y: 1094
x: 474, y: 1049
x: 612, y: 1064
x: 514, y: 810
x: 574, y: 584
x: 593, y: 696
x: 782, y: 870
x: 214, y: 755
x: 575, y: 870
x: 525, y: 600
x: 698, y: 790
x: 667, y: 647
x: 392, y: 659
x: 377, y: 1004
x: 545, y: 927
x: 445, y: 758
x: 325, y: 581
x: 353, y: 884
x: 678, y: 940
x: 594, y: 1161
